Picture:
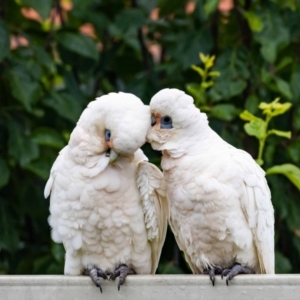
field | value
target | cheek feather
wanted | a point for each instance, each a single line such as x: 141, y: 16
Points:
x: 157, y: 117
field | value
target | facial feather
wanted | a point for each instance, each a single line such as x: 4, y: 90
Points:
x: 123, y: 114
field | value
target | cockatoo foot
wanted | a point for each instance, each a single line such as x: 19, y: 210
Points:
x: 235, y: 270
x: 94, y: 273
x: 122, y: 271
x: 212, y: 272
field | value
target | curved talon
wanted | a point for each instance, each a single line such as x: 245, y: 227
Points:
x: 94, y: 277
x: 122, y: 271
x: 212, y: 272
x: 235, y: 270
x: 94, y: 273
x: 224, y: 273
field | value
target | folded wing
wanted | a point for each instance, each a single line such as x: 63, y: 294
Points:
x: 152, y: 187
x: 257, y: 207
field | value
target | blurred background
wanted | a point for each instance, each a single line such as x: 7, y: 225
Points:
x: 56, y: 56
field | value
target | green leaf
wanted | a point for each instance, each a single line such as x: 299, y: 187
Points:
x: 282, y: 264
x: 43, y: 7
x: 210, y: 6
x: 58, y: 252
x: 4, y: 41
x: 196, y: 91
x: 20, y: 146
x: 226, y: 112
x: 48, y: 137
x: 256, y: 128
x: 290, y: 171
x: 268, y: 51
x: 293, y: 150
x: 65, y: 105
x: 295, y: 86
x: 247, y: 116
x: 254, y: 21
x: 78, y: 43
x: 286, y: 134
x: 9, y: 236
x: 275, y: 34
x: 39, y: 167
x: 252, y: 103
x: 284, y: 88
x: 23, y: 87
x: 283, y: 63
x: 4, y: 173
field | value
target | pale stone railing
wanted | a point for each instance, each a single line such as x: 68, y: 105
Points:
x: 144, y: 287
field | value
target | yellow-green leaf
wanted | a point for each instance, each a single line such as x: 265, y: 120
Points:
x: 289, y: 170
x: 281, y: 109
x: 214, y: 73
x: 286, y: 134
x: 247, y: 116
x: 203, y: 57
x: 199, y: 70
x: 254, y: 21
x: 256, y: 128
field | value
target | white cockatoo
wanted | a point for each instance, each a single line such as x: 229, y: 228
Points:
x: 220, y: 204
x: 108, y: 204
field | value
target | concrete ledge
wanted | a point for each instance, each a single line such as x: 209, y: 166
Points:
x: 144, y: 287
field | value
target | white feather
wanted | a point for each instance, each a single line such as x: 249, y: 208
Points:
x: 220, y: 203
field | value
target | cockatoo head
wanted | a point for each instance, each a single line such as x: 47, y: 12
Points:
x: 174, y: 120
x: 115, y: 124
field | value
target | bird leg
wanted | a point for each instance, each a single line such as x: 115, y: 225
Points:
x: 122, y: 271
x: 212, y: 272
x: 94, y: 273
x: 235, y: 270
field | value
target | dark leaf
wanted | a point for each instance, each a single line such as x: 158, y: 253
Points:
x: 65, y: 105
x: 20, y: 146
x: 4, y: 173
x: 4, y: 41
x: 78, y: 43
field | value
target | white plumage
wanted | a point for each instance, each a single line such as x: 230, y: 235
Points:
x: 220, y: 204
x: 108, y: 214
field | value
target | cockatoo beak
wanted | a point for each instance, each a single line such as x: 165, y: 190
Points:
x: 113, y: 156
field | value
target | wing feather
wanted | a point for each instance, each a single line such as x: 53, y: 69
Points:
x: 152, y: 187
x: 257, y: 207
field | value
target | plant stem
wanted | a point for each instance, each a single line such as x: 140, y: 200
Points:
x: 262, y: 141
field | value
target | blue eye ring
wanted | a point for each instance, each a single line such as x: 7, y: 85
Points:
x: 107, y: 135
x: 166, y: 122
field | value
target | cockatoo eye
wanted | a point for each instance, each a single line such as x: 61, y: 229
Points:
x: 153, y: 120
x: 166, y: 122
x: 107, y: 135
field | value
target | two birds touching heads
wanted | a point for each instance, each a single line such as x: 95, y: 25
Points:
x: 110, y: 207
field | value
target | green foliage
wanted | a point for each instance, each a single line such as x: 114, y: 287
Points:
x: 259, y: 128
x: 47, y: 81
x: 290, y: 171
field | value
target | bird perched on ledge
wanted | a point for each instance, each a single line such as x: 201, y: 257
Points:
x: 107, y: 202
x: 220, y: 204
